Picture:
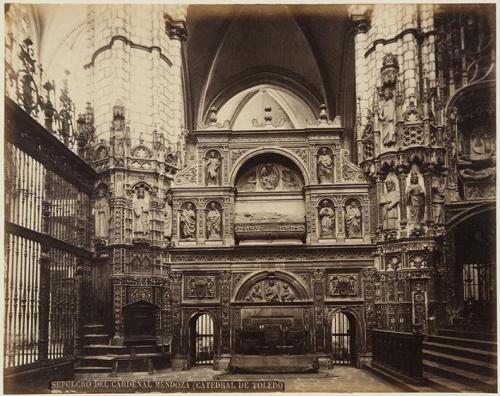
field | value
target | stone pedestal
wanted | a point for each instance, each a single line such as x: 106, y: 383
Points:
x: 325, y: 362
x: 179, y: 363
x: 222, y: 362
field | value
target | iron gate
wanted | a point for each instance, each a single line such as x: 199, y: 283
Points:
x: 204, y: 340
x: 342, y: 339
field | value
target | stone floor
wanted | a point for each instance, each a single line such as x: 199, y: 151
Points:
x: 340, y: 379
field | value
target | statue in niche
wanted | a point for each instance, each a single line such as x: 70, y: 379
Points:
x: 390, y: 206
x: 213, y: 169
x: 327, y: 219
x: 268, y: 177
x: 213, y: 222
x: 167, y: 231
x: 416, y: 200
x: 287, y: 294
x: 325, y: 167
x: 255, y: 294
x: 101, y: 213
x: 353, y: 219
x: 479, y: 145
x: 272, y: 292
x: 387, y: 115
x: 140, y: 223
x: 438, y: 198
x: 188, y: 222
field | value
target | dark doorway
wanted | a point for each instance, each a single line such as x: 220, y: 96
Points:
x: 343, y: 340
x: 202, y: 340
x: 475, y: 258
x: 140, y: 320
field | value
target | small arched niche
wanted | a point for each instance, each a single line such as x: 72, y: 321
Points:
x: 269, y: 202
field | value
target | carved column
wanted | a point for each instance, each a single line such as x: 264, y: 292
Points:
x: 222, y: 363
x: 402, y: 190
x: 319, y: 317
x: 339, y: 214
x: 370, y: 314
x: 179, y: 360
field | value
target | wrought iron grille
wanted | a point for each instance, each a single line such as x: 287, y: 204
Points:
x: 204, y: 340
x: 47, y: 223
x: 341, y: 339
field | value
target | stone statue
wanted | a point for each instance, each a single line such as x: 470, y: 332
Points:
x: 353, y: 220
x: 188, y: 222
x: 140, y: 223
x: 416, y: 200
x: 268, y: 177
x: 325, y: 167
x: 213, y: 166
x: 167, y: 231
x: 101, y: 213
x: 213, y: 222
x: 286, y: 293
x: 272, y: 291
x: 438, y: 198
x: 387, y: 116
x: 390, y: 206
x: 327, y: 219
x: 255, y: 294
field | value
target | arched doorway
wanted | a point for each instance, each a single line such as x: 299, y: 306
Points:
x: 343, y: 339
x: 473, y: 242
x: 201, y: 335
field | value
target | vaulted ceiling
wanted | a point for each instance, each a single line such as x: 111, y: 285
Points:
x: 307, y: 49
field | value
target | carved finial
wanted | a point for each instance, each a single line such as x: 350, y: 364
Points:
x: 267, y: 115
x: 212, y: 118
x: 323, y: 116
x: 141, y: 138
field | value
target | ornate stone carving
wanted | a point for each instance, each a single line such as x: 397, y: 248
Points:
x: 214, y: 221
x: 390, y: 206
x: 271, y: 290
x: 416, y: 200
x: 102, y: 214
x: 213, y: 168
x: 438, y: 200
x: 353, y: 219
x: 325, y: 166
x: 140, y: 263
x: 188, y: 175
x: 343, y: 285
x: 326, y: 215
x: 188, y: 221
x: 167, y: 228
x: 269, y: 177
x: 318, y: 275
x: 140, y: 209
x: 140, y: 294
x: 200, y: 287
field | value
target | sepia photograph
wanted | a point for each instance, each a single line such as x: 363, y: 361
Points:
x: 243, y: 198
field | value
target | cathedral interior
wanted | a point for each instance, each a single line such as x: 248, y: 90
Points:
x: 259, y: 189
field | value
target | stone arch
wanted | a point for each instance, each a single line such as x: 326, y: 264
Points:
x: 267, y: 150
x: 357, y: 318
x: 192, y: 317
x: 254, y: 278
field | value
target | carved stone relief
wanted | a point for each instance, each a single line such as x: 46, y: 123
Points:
x: 271, y: 290
x: 187, y: 221
x: 343, y: 285
x: 200, y: 287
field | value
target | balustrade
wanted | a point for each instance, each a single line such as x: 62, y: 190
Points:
x: 399, y: 353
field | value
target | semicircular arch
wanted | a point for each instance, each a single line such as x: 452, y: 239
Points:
x: 254, y: 278
x: 268, y: 150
